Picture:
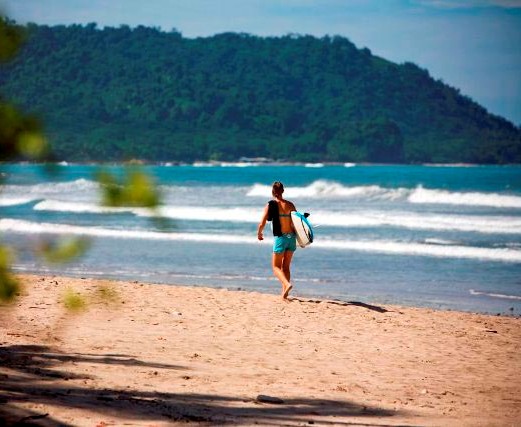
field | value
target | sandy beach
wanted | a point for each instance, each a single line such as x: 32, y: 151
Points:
x: 159, y: 355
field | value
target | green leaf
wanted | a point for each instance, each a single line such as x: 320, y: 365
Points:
x: 9, y: 285
x: 135, y: 189
x: 64, y: 249
x: 32, y: 145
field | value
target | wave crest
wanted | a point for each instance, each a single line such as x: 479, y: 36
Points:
x: 77, y: 186
x: 14, y: 201
x: 332, y: 189
x: 426, y: 196
x: 360, y: 219
x: 418, y: 195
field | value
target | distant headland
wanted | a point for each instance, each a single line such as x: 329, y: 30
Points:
x: 115, y: 94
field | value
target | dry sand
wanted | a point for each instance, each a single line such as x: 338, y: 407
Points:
x: 165, y: 355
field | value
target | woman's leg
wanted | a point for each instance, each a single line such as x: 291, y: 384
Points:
x: 286, y: 262
x: 278, y: 264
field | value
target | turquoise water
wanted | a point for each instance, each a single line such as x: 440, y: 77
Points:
x: 440, y: 236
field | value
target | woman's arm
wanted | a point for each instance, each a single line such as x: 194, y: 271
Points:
x: 262, y: 223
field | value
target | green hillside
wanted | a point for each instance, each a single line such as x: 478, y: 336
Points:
x: 121, y: 93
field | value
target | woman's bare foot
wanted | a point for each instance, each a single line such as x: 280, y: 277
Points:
x: 286, y: 292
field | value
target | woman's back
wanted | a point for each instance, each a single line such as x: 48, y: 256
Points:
x: 285, y: 208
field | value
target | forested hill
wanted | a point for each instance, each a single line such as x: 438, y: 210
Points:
x: 121, y: 93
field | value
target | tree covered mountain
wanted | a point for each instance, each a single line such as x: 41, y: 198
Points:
x: 121, y: 93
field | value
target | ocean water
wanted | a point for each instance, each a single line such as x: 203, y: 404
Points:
x: 441, y: 236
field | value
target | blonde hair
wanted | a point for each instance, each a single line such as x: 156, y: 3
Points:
x: 277, y: 189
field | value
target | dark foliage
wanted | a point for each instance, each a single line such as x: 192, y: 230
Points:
x: 122, y: 93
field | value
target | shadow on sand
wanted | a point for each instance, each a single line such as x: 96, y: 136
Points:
x: 34, y: 374
x: 344, y: 303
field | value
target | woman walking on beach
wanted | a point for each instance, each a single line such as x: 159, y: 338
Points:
x: 278, y: 211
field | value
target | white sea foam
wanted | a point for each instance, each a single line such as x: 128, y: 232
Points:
x: 362, y: 219
x: 200, y: 213
x: 418, y: 195
x: 13, y: 201
x: 86, y: 207
x: 76, y: 207
x: 418, y: 221
x: 28, y: 227
x: 451, y: 165
x: 374, y: 246
x: 193, y: 213
x: 331, y: 189
x: 426, y: 196
x: 77, y: 186
x: 80, y: 184
x: 319, y: 189
x: 421, y: 249
x: 434, y: 241
x: 238, y: 164
x: 204, y: 164
x: 495, y: 295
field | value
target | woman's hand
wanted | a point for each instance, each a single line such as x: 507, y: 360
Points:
x: 259, y: 235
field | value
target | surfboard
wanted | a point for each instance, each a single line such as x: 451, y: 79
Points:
x: 303, y: 229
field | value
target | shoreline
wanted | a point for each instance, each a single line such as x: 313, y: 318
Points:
x: 274, y: 291
x: 242, y: 163
x: 161, y: 355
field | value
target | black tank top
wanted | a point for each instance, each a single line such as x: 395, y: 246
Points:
x: 273, y: 216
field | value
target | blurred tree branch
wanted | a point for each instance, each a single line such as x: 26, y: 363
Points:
x: 22, y: 139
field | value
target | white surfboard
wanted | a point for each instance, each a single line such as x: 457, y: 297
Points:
x: 303, y: 229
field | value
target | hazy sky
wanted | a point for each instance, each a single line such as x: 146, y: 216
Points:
x: 474, y: 45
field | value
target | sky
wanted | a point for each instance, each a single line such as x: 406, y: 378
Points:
x: 473, y: 45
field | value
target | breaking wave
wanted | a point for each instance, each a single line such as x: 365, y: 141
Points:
x: 320, y: 189
x: 422, y: 195
x: 361, y: 219
x: 78, y: 185
x: 14, y: 201
x: 373, y: 246
x: 418, y: 195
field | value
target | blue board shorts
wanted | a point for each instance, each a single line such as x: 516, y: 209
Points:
x: 286, y: 242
